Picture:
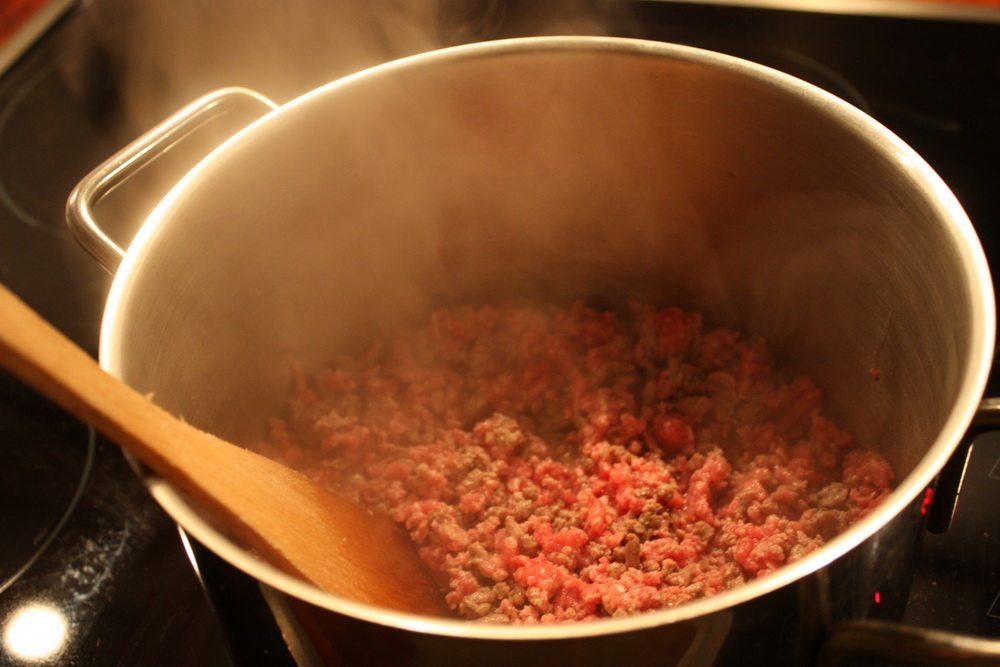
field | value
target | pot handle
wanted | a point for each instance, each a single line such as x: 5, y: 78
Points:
x: 949, y: 481
x: 900, y: 643
x: 905, y: 644
x: 134, y: 157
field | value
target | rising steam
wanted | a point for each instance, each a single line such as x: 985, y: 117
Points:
x: 169, y: 52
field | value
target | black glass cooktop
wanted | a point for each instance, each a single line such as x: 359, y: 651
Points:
x: 91, y: 571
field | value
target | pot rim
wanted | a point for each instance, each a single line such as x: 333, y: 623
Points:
x: 980, y: 337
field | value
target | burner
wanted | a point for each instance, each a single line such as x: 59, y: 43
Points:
x: 48, y: 137
x: 40, y: 475
x: 55, y: 107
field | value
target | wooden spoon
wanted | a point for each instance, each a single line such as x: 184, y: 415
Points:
x: 291, y: 522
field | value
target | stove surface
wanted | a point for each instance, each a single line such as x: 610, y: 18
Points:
x: 93, y: 572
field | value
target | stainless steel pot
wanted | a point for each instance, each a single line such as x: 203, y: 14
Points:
x: 556, y: 168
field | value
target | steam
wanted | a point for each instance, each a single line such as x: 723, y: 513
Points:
x: 576, y: 177
x: 167, y: 53
x: 173, y: 51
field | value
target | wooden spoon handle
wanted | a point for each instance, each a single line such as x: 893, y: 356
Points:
x: 292, y: 522
x: 41, y: 356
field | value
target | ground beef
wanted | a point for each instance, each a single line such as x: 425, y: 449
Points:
x: 557, y: 464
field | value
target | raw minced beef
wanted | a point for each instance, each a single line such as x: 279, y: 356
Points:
x: 557, y: 464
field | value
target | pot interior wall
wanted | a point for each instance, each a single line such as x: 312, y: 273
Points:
x: 552, y: 174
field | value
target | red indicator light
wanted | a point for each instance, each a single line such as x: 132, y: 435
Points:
x: 878, y: 598
x: 925, y: 503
